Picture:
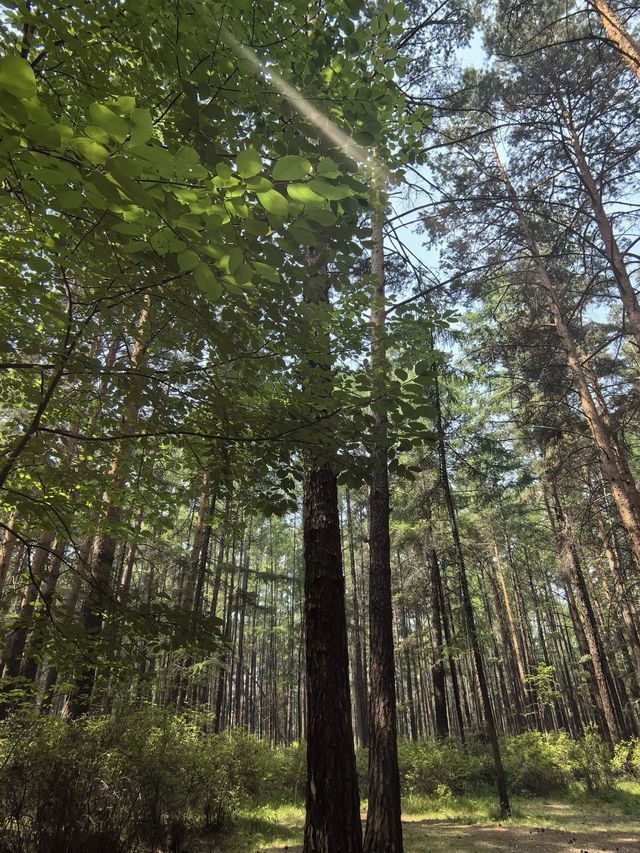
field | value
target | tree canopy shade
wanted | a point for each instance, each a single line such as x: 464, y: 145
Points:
x: 267, y: 465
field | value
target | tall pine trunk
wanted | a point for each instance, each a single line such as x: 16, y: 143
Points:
x: 383, y: 832
x: 487, y: 708
x: 332, y: 821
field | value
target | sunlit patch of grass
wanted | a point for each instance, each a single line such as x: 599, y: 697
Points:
x: 264, y: 827
x: 471, y: 808
x: 272, y: 828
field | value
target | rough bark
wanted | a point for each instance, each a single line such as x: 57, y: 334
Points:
x: 332, y: 800
x: 618, y: 35
x: 383, y: 833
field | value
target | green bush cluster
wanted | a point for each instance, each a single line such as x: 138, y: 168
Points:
x: 113, y: 783
x: 143, y: 779
x: 425, y: 765
x: 535, y: 763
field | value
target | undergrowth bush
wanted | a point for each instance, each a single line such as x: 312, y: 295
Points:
x: 425, y: 765
x: 110, y: 784
x: 133, y: 780
x: 537, y: 763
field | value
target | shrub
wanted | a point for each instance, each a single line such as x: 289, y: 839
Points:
x: 108, y: 783
x: 538, y: 763
x: 424, y: 765
x: 626, y: 758
x: 591, y: 761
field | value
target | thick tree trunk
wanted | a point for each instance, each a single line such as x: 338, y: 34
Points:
x: 332, y: 821
x: 333, y: 804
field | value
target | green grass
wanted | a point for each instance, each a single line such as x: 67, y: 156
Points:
x: 279, y: 827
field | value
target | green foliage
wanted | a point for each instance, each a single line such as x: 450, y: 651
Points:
x: 591, y: 761
x: 539, y: 763
x: 114, y: 782
x: 535, y: 763
x: 626, y: 758
x: 110, y: 783
x: 427, y: 765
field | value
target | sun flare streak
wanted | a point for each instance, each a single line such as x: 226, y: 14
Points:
x: 329, y: 129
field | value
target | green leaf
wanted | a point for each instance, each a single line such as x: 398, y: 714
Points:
x: 327, y: 168
x: 89, y: 149
x: 105, y: 118
x: 17, y: 77
x: 188, y: 260
x: 329, y: 191
x: 69, y: 200
x: 45, y: 134
x: 122, y: 105
x: 98, y: 134
x: 207, y: 283
x: 274, y: 202
x: 293, y: 167
x: 249, y: 163
x: 321, y: 215
x: 303, y: 193
x: 141, y: 127
x: 267, y: 272
x: 243, y: 274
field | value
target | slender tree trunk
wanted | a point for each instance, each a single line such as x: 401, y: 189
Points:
x: 18, y: 635
x: 383, y: 832
x: 614, y: 465
x: 573, y: 569
x: 359, y: 682
x: 100, y: 596
x: 437, y: 667
x: 605, y: 227
x: 29, y: 665
x: 453, y: 666
x: 7, y: 547
x: 469, y: 615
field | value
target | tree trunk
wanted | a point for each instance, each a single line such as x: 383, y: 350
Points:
x: 359, y: 682
x: 383, y: 832
x: 614, y: 465
x: 469, y: 615
x: 618, y: 35
x: 437, y: 667
x: 100, y: 596
x: 571, y: 564
x: 605, y: 227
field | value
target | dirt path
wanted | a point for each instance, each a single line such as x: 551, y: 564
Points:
x: 434, y: 837
x: 429, y: 836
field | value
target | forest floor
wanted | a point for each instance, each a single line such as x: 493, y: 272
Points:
x: 578, y: 824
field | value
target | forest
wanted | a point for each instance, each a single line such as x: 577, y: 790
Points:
x: 319, y: 426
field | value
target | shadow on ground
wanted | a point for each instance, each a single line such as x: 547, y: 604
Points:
x: 434, y: 837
